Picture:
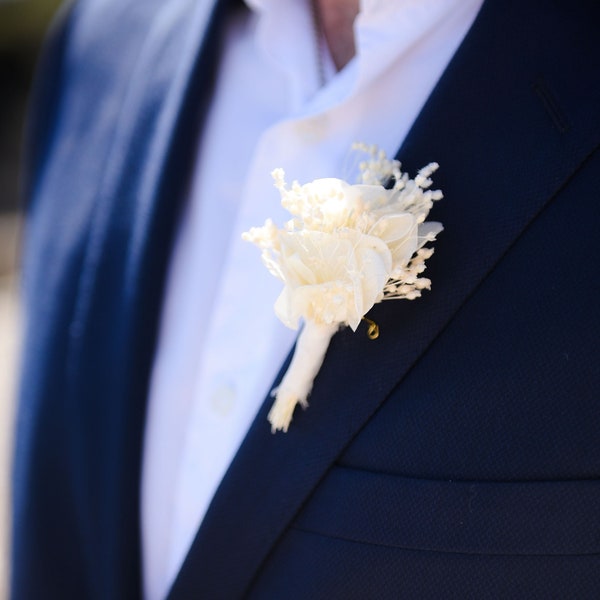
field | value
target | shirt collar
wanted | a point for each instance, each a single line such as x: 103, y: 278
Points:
x: 384, y: 30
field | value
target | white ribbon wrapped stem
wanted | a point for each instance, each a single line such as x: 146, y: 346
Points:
x: 297, y: 382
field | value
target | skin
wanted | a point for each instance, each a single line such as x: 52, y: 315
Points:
x: 336, y: 19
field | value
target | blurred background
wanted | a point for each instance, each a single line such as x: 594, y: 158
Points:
x: 22, y: 27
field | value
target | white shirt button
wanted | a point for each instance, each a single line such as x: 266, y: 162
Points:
x: 223, y: 398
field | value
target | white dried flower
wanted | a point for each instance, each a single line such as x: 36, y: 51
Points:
x: 346, y: 248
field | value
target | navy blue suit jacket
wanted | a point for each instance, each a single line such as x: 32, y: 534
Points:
x: 457, y: 456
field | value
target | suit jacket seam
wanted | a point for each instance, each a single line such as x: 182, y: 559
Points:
x: 436, y: 550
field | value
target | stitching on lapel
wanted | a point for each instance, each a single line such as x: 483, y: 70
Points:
x: 551, y: 105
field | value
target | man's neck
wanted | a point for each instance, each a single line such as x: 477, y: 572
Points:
x: 336, y: 18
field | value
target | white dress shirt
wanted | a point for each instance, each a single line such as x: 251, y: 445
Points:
x: 220, y: 344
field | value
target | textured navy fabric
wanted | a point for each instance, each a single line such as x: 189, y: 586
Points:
x: 457, y: 456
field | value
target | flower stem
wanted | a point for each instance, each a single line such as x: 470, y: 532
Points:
x: 297, y: 382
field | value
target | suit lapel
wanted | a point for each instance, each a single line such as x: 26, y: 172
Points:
x: 504, y: 154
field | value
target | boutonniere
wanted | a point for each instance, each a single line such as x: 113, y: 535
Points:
x: 346, y: 248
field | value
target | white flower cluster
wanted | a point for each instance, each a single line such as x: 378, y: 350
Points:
x: 350, y: 246
x: 346, y: 248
